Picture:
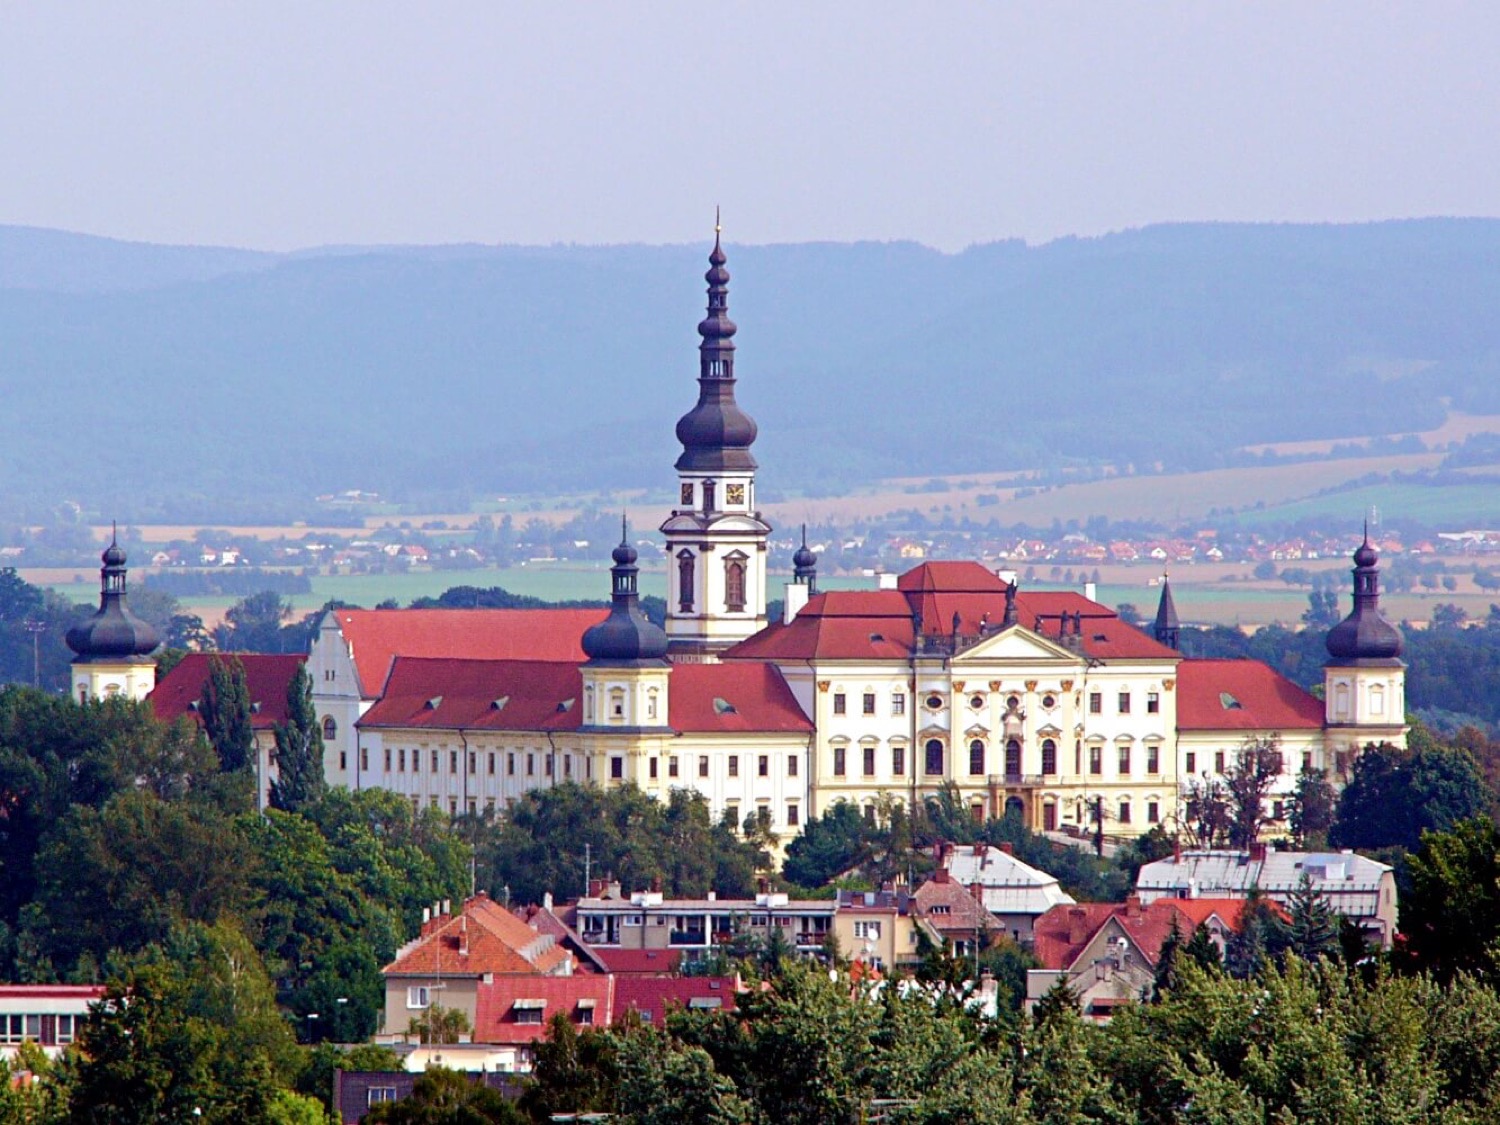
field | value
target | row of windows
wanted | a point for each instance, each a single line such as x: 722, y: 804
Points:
x: 1123, y: 703
x: 867, y: 703
x: 763, y: 764
x: 397, y: 760
x: 934, y: 759
x: 37, y: 1028
x: 1222, y: 761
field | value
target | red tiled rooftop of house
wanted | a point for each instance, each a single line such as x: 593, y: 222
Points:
x: 1242, y: 695
x: 377, y: 636
x: 267, y: 677
x: 483, y: 938
x: 1064, y: 932
x: 517, y: 1010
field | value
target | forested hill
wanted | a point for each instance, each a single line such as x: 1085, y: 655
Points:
x: 134, y: 374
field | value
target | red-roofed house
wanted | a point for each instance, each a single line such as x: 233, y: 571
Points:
x: 267, y: 678
x: 1107, y: 952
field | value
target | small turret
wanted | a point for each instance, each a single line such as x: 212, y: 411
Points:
x: 114, y: 646
x: 1365, y: 637
x: 627, y: 635
x: 1168, y: 629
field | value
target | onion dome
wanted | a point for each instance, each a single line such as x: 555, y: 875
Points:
x: 1168, y: 629
x: 1365, y: 636
x: 805, y: 563
x: 113, y: 633
x: 626, y: 636
x: 716, y: 434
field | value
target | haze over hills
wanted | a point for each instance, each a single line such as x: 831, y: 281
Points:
x: 210, y: 383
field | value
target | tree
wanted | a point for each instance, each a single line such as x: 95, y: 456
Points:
x: 441, y: 1025
x: 299, y: 748
x: 1256, y: 769
x: 1451, y: 915
x: 1312, y: 808
x: 1395, y: 795
x: 224, y: 709
x: 1207, y: 811
x: 447, y: 1097
x: 575, y: 1071
x: 1322, y: 610
x: 664, y: 1083
x: 254, y: 624
x: 1260, y: 937
x: 828, y: 846
x: 1313, y: 926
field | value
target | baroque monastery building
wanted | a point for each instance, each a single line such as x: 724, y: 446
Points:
x: 949, y: 678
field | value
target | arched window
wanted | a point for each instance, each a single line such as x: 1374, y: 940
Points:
x: 330, y: 728
x: 1049, y: 756
x: 934, y: 756
x: 685, y: 581
x: 1012, y: 758
x: 1377, y: 700
x: 976, y: 756
x: 734, y: 583
x: 1341, y: 701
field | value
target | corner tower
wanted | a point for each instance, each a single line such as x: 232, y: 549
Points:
x: 716, y: 539
x: 114, y: 646
x: 1364, y: 680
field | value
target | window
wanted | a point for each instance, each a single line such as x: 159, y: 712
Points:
x: 1306, y: 760
x: 763, y: 766
x: 510, y: 763
x: 685, y: 581
x: 702, y: 765
x: 672, y: 765
x: 471, y: 762
x: 492, y: 763
x: 734, y: 765
x: 898, y: 761
x: 452, y: 806
x: 1049, y: 701
x: 934, y: 702
x: 616, y: 767
x: 793, y: 816
x: 898, y: 703
x: 1124, y: 812
x: 1124, y: 703
x: 417, y: 996
x: 1153, y: 703
x: 976, y: 702
x: 529, y: 1014
x: 869, y: 761
x: 651, y: 769
x: 687, y: 495
x: 387, y: 759
x: 732, y: 816
x: 1049, y: 756
x: 567, y: 765
x: 364, y: 758
x: 401, y: 760
x: 343, y: 760
x: 791, y: 765
x: 330, y: 728
x: 1013, y: 758
x: 65, y: 1029
x: 867, y: 931
x: 867, y: 703
x: 377, y: 1094
x: 1218, y: 761
x: 838, y: 761
x: 1096, y: 703
x: 1153, y: 759
x: 435, y: 762
x: 976, y: 756
x: 1190, y: 762
x: 869, y: 814
x: 585, y: 1015
x: 839, y: 703
x: 1153, y: 812
x: 934, y: 756
x: 530, y: 764
x: 1278, y: 810
x: 734, y: 584
x: 548, y: 763
x: 1124, y: 761
x: 1096, y: 759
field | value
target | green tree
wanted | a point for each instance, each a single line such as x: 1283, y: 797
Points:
x: 224, y: 709
x: 254, y: 624
x: 828, y: 846
x: 1395, y: 795
x: 1312, y: 927
x: 664, y: 1083
x: 1450, y: 916
x: 299, y: 748
x: 1312, y: 809
x: 447, y: 1097
x: 1257, y: 766
x: 575, y: 1071
x: 441, y: 1025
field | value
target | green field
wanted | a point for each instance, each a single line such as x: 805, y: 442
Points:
x: 1458, y: 506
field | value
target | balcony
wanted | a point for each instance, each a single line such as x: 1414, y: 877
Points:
x: 693, y: 938
x: 1010, y: 780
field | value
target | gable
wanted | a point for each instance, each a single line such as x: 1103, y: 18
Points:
x: 1017, y: 644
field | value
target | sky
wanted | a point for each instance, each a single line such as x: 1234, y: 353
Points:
x: 284, y: 125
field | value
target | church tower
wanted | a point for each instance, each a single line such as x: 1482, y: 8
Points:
x: 1364, y: 680
x: 716, y: 539
x: 114, y: 646
x: 1167, y: 629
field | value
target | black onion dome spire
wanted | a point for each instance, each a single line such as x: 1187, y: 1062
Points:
x: 626, y: 635
x: 716, y: 434
x: 1365, y: 636
x: 1168, y: 629
x: 805, y: 563
x: 113, y: 633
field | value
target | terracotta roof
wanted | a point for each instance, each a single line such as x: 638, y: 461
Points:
x: 450, y: 694
x: 709, y: 698
x: 1064, y: 932
x: 952, y: 908
x: 536, y: 695
x: 266, y: 676
x: 650, y: 962
x: 547, y: 921
x: 969, y: 577
x: 1242, y: 695
x: 653, y: 996
x: 377, y: 636
x: 497, y: 1012
x: 484, y: 938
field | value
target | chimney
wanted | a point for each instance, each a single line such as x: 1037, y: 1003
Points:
x: 794, y: 598
x: 940, y: 875
x: 1176, y: 851
x: 1133, y: 906
x: 888, y: 581
x: 1091, y: 591
x: 976, y: 891
x: 547, y: 900
x: 463, y: 936
x: 656, y: 885
x: 713, y: 896
x: 763, y: 885
x: 1257, y: 851
x: 1078, y: 925
x: 1008, y: 849
x: 596, y: 888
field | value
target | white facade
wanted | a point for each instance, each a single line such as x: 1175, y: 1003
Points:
x: 114, y: 679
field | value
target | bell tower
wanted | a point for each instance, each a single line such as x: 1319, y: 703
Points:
x: 1364, y: 680
x: 716, y: 538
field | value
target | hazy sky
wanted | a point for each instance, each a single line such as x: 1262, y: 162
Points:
x: 280, y: 125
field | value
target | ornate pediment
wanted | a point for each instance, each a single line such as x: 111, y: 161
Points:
x: 1017, y: 645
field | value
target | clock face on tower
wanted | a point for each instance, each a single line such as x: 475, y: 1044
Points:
x: 734, y: 494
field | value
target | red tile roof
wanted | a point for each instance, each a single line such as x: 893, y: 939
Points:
x: 1064, y: 932
x: 533, y: 695
x: 952, y: 577
x: 484, y: 938
x: 267, y: 677
x: 499, y: 1004
x: 1242, y: 695
x: 658, y: 995
x: 650, y: 962
x: 377, y: 636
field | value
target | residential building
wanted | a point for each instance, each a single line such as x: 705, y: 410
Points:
x: 879, y: 928
x: 49, y: 1015
x: 1014, y: 894
x: 1362, y: 890
x: 609, y: 920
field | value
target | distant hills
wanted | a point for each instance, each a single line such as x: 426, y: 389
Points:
x: 209, y: 383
